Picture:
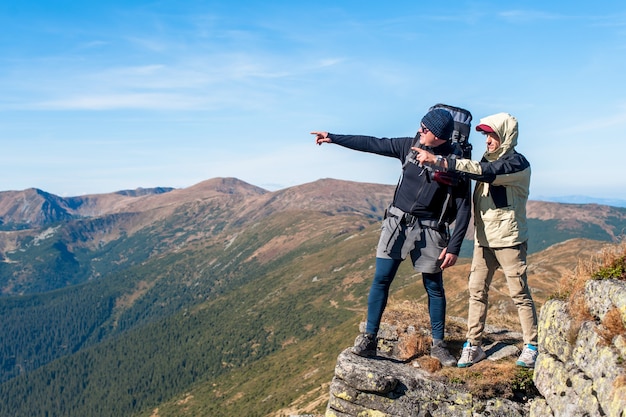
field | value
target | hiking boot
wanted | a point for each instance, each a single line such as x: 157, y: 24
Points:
x: 528, y: 357
x: 365, y: 345
x: 440, y: 353
x: 471, y: 355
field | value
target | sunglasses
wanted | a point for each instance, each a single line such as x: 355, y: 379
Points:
x: 424, y: 129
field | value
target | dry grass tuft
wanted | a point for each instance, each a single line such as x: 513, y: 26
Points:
x: 409, y: 317
x: 613, y: 263
x: 608, y: 263
x: 406, y: 313
x: 485, y: 379
x: 413, y: 323
x: 612, y: 325
x: 412, y: 345
x: 429, y: 364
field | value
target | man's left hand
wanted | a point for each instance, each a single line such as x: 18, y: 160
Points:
x: 448, y: 259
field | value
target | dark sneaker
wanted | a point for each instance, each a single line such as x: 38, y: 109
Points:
x: 471, y: 355
x: 442, y: 355
x: 528, y: 357
x: 365, y: 345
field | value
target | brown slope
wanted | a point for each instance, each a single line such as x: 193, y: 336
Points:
x: 142, y: 200
x: 325, y: 195
x: 36, y: 208
x: 576, y: 216
x: 215, y: 188
x: 192, y: 211
x: 32, y: 208
x: 93, y: 205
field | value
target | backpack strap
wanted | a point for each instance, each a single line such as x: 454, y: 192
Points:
x: 459, y: 139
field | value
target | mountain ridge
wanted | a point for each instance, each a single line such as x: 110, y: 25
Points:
x: 36, y: 208
x: 79, y: 229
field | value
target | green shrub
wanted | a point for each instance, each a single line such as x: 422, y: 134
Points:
x: 616, y: 269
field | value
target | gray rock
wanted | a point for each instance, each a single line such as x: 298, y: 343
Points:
x: 387, y: 387
x: 604, y: 295
x: 578, y: 372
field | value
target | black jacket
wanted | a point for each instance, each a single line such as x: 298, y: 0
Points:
x: 417, y: 193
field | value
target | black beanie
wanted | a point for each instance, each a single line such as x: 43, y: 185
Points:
x: 440, y: 122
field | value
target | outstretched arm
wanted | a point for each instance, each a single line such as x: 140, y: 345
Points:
x: 394, y: 147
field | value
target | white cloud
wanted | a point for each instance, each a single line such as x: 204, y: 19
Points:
x: 528, y: 15
x: 153, y: 101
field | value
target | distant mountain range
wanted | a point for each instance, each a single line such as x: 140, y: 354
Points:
x: 117, y: 304
x: 581, y: 199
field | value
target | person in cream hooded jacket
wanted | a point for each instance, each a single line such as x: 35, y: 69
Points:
x: 503, y: 182
x: 501, y: 232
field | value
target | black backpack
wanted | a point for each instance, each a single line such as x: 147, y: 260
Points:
x: 462, y: 128
x: 463, y: 149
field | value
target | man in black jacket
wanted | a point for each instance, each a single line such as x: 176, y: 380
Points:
x: 416, y: 224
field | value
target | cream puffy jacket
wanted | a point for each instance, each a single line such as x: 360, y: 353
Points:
x: 502, y: 187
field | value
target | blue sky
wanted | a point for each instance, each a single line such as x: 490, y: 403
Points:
x: 102, y: 96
